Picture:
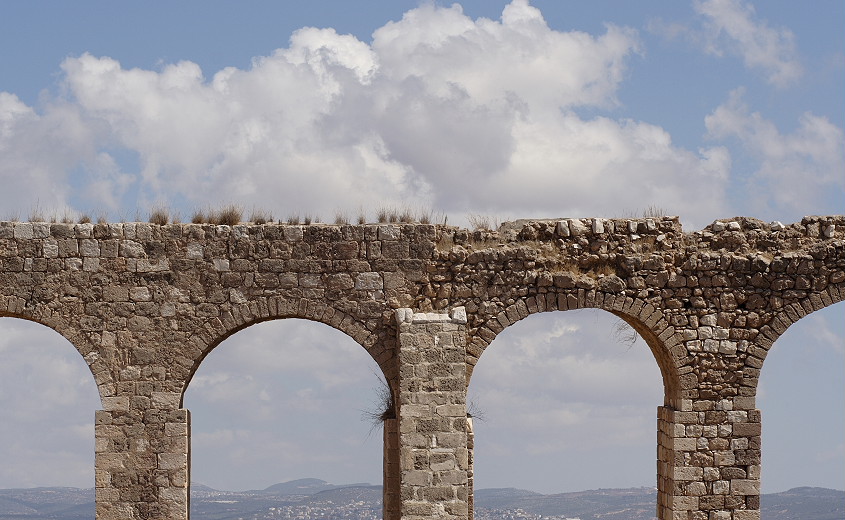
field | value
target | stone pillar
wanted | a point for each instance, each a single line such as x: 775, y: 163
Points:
x: 709, y: 461
x: 392, y: 505
x: 141, y: 463
x: 432, y: 414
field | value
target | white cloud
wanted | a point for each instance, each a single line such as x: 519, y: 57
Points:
x: 798, y: 171
x: 564, y: 386
x: 731, y: 26
x: 297, y: 389
x: 439, y: 110
x: 38, y: 152
x: 43, y: 376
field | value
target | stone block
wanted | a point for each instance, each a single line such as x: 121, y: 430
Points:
x: 745, y: 487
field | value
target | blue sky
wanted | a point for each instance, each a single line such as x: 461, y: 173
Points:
x: 707, y: 109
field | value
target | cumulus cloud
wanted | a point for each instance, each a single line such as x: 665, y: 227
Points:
x: 731, y: 26
x: 798, y: 171
x: 437, y: 110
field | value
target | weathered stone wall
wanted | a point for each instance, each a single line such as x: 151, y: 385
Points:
x: 144, y: 304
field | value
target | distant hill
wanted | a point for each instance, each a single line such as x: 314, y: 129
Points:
x: 314, y: 498
x: 804, y: 503
x: 303, y: 486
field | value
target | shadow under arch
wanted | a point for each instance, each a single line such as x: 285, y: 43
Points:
x: 381, y: 349
x: 280, y: 375
x: 665, y: 343
x: 565, y: 399
x: 48, y: 399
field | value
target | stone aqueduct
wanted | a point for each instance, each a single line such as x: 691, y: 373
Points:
x: 144, y: 304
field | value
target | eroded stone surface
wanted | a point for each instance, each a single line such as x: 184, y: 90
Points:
x: 144, y: 303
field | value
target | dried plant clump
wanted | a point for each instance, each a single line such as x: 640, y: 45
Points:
x: 306, y: 220
x: 102, y: 218
x: 482, y: 222
x: 229, y: 215
x: 84, y: 219
x: 362, y: 217
x: 424, y: 216
x: 406, y: 216
x: 293, y: 219
x: 198, y: 217
x: 475, y: 412
x: 260, y: 216
x: 654, y: 211
x: 36, y: 215
x: 384, y: 408
x: 340, y: 218
x: 159, y: 215
x: 383, y: 215
x: 625, y: 333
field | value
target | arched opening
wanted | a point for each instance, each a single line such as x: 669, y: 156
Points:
x: 568, y: 403
x: 800, y: 399
x: 47, y: 402
x: 280, y: 401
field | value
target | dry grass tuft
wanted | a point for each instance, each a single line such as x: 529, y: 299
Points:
x: 84, y: 219
x: 340, y: 218
x: 159, y: 215
x: 382, y: 215
x: 406, y: 216
x: 654, y: 211
x: 383, y: 407
x: 229, y: 215
x: 260, y: 216
x: 483, y: 222
x: 293, y: 219
x: 36, y: 215
x: 624, y: 333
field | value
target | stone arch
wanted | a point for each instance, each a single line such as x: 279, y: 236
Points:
x: 12, y: 307
x: 665, y: 343
x: 781, y: 321
x: 273, y: 308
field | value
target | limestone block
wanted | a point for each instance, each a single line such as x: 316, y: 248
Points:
x: 745, y: 487
x: 577, y: 227
x: 23, y: 230
x: 369, y: 281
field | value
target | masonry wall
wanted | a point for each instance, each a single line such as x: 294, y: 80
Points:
x: 144, y: 304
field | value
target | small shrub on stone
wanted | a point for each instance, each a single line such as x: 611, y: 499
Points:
x: 230, y: 215
x: 159, y: 216
x: 260, y: 216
